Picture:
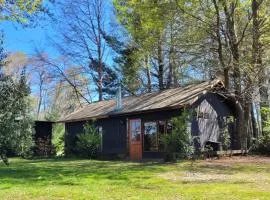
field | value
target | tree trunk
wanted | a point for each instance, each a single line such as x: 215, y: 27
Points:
x: 248, y: 128
x: 40, y: 99
x: 170, y: 74
x: 160, y: 67
x: 148, y: 73
x: 100, y: 98
x: 242, y: 125
x: 257, y: 54
x: 220, y: 47
x: 99, y: 47
x: 171, y: 60
x: 234, y: 45
x: 254, y: 123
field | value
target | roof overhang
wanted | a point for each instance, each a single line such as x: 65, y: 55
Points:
x: 187, y: 102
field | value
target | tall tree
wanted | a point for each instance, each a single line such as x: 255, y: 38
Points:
x: 15, y: 120
x: 228, y: 26
x: 215, y: 38
x: 24, y: 12
x: 145, y: 23
x: 81, y: 27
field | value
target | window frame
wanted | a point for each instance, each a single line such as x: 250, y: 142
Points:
x: 130, y: 131
x: 157, y: 137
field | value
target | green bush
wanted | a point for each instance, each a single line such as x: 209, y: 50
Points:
x: 262, y: 145
x: 88, y: 144
x: 265, y: 113
x: 44, y: 147
x: 177, y: 144
x: 58, y: 139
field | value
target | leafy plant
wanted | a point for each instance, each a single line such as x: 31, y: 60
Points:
x: 15, y: 121
x: 44, y: 147
x: 226, y: 138
x: 178, y: 143
x: 262, y: 144
x: 58, y: 139
x: 88, y: 144
x: 265, y: 113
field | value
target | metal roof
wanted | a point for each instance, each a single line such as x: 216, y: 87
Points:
x: 165, y: 99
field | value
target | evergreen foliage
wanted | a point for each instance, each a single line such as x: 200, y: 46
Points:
x: 88, y: 144
x: 15, y: 120
x: 262, y: 144
x: 58, y: 139
x: 178, y: 143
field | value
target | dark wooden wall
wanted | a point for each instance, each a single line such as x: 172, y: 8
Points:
x: 72, y: 129
x: 114, y: 130
x: 43, y: 137
x: 43, y: 130
x: 210, y: 129
x: 115, y: 135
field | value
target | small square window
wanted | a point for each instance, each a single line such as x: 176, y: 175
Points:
x: 200, y: 115
x: 206, y: 116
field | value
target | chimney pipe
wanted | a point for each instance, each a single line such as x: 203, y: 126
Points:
x: 119, y: 97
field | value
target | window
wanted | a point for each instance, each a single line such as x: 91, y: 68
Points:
x: 203, y: 115
x: 153, y: 132
x: 135, y: 130
x: 150, y: 136
x: 200, y: 115
x: 206, y: 116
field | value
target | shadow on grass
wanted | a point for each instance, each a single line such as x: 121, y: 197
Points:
x: 74, y: 171
x: 77, y: 172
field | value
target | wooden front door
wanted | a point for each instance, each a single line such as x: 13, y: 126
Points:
x: 135, y: 139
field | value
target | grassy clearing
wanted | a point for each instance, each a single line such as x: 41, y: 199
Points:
x: 85, y: 179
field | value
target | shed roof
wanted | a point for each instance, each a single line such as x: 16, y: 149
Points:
x: 166, y: 99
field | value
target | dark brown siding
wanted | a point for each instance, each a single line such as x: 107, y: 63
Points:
x: 43, y: 131
x: 71, y: 131
x: 114, y: 135
x: 113, y: 131
x: 115, y: 139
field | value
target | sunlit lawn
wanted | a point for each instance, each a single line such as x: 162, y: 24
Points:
x: 86, y: 179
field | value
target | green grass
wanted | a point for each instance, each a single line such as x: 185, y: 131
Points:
x: 86, y: 179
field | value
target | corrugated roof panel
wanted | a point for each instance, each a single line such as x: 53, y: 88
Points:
x: 169, y: 98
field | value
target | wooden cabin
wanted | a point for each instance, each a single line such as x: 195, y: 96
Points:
x: 134, y: 126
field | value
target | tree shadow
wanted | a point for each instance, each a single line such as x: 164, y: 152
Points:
x: 74, y: 171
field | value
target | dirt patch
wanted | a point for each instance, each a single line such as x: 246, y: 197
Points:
x: 237, y: 169
x: 238, y: 160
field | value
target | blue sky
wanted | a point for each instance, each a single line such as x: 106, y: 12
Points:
x: 18, y: 38
x: 21, y: 39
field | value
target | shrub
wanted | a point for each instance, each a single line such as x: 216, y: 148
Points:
x: 177, y: 144
x: 262, y: 145
x: 58, y: 139
x: 44, y: 147
x: 265, y: 113
x: 88, y: 144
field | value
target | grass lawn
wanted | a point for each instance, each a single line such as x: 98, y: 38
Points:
x: 234, y: 178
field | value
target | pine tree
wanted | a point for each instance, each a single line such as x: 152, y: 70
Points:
x: 15, y: 120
